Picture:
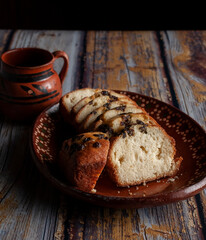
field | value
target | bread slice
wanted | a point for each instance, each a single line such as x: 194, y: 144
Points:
x: 126, y: 119
x: 83, y: 158
x: 140, y: 154
x: 116, y: 124
x: 108, y: 115
x: 70, y: 99
x: 98, y: 93
x: 92, y: 117
x: 98, y: 101
x: 85, y: 100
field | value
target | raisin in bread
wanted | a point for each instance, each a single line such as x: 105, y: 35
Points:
x: 83, y: 158
x: 141, y: 154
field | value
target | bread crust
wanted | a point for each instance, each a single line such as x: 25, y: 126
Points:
x: 105, y: 117
x: 124, y: 120
x: 83, y: 167
x: 63, y: 108
x: 113, y: 175
x: 92, y: 117
x: 95, y: 101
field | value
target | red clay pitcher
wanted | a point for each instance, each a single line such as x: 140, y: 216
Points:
x: 28, y: 81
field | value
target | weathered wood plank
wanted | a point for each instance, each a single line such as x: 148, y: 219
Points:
x: 22, y: 200
x: 125, y: 61
x: 4, y: 38
x: 29, y: 204
x: 173, y: 221
x: 185, y: 54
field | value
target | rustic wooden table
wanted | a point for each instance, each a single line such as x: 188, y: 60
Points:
x: 170, y: 66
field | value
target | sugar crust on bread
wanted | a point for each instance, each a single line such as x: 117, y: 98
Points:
x: 83, y: 158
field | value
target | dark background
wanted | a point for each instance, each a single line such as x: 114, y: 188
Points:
x: 93, y: 15
x: 58, y: 14
x: 99, y: 15
x: 27, y: 14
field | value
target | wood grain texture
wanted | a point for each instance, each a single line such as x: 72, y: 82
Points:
x: 137, y: 61
x: 28, y: 203
x: 173, y: 221
x: 125, y: 61
x: 4, y: 39
x: 185, y: 55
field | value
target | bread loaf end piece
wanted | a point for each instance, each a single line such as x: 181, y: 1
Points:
x: 83, y: 158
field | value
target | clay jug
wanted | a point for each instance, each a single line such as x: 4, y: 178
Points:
x: 28, y: 81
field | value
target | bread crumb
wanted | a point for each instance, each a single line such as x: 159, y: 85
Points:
x: 170, y: 179
x: 93, y: 190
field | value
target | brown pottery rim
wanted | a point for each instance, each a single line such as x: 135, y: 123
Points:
x: 3, y: 56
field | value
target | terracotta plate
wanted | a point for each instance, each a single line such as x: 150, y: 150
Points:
x: 49, y: 132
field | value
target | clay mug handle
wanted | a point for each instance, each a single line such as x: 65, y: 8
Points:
x: 63, y: 72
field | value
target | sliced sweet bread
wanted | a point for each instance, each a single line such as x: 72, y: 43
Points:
x: 83, y: 158
x: 85, y: 100
x: 138, y: 149
x: 70, y: 99
x: 98, y: 93
x: 118, y: 123
x: 98, y: 101
x: 132, y: 119
x: 92, y: 117
x: 139, y: 155
x: 105, y: 117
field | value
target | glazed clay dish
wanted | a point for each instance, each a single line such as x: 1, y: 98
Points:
x: 50, y: 131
